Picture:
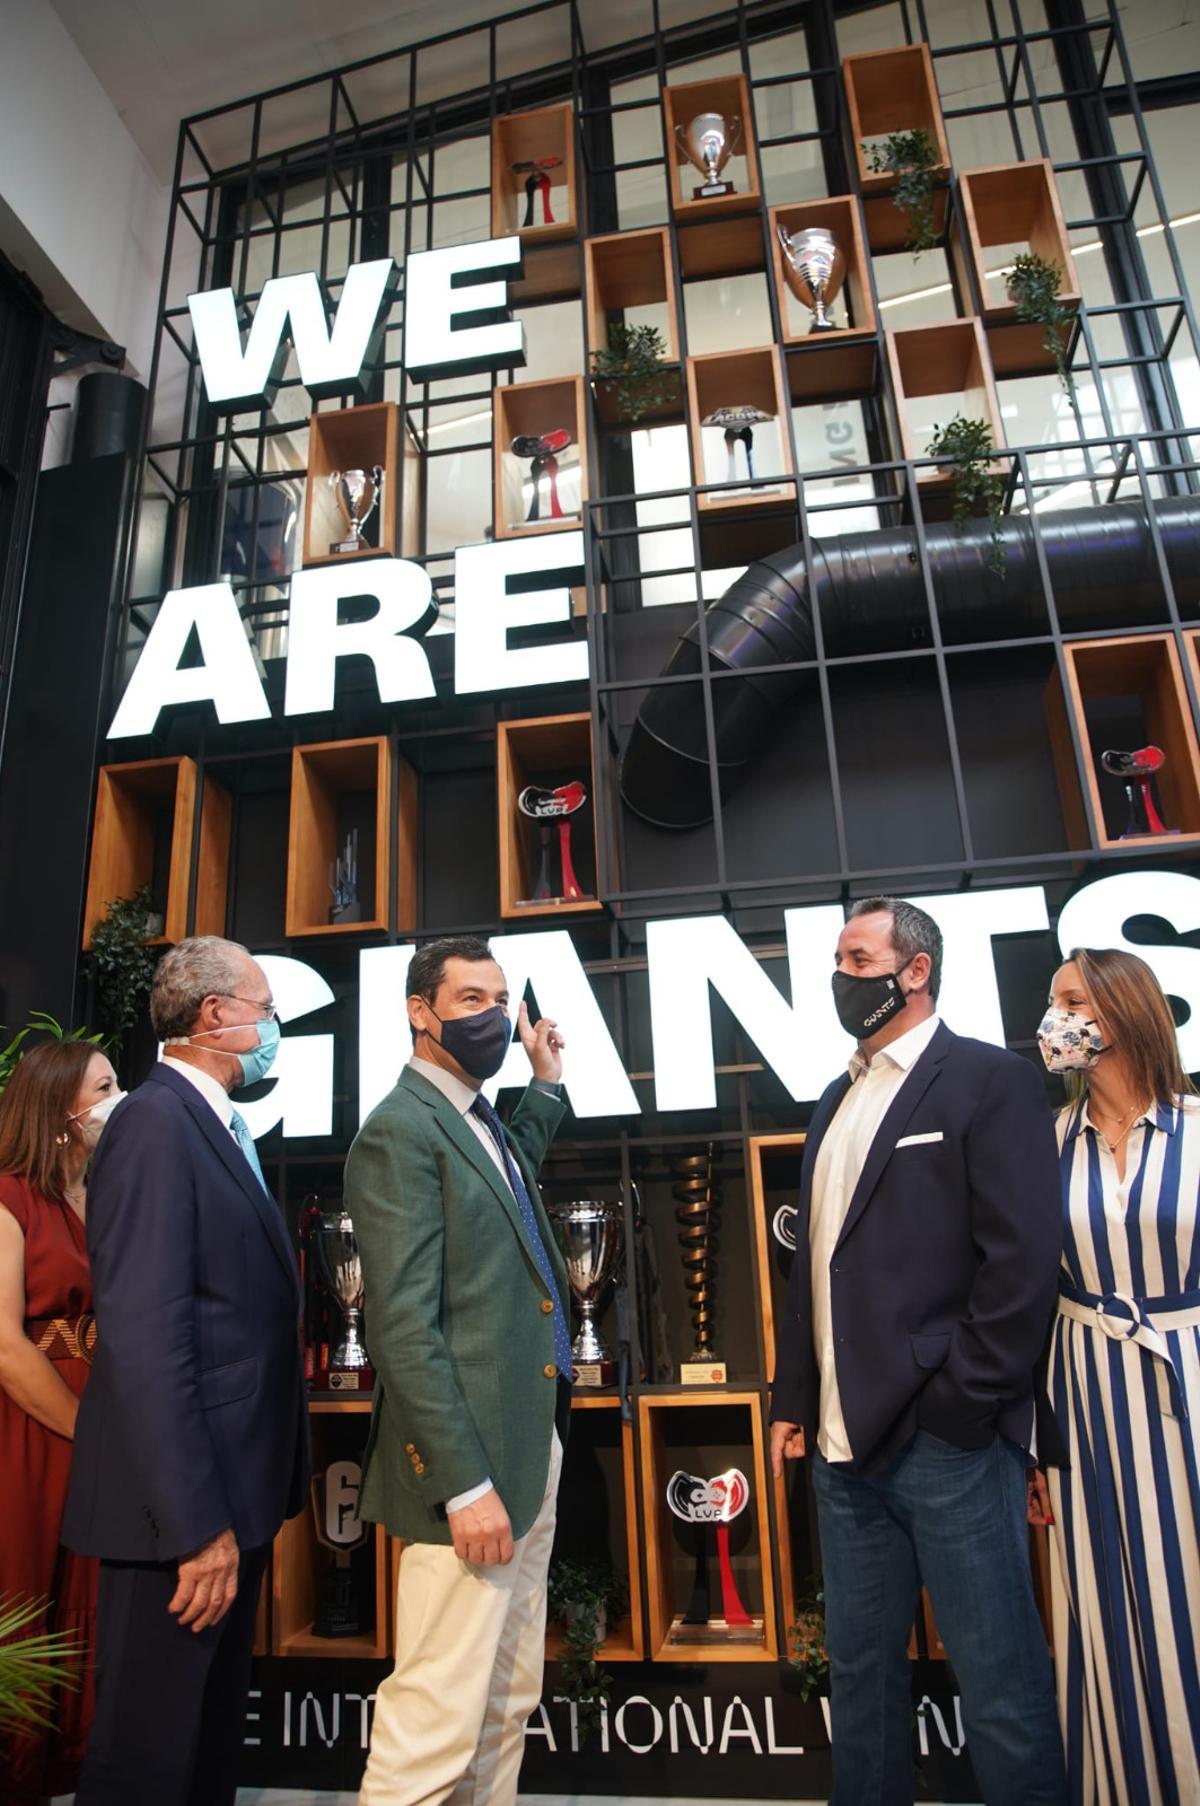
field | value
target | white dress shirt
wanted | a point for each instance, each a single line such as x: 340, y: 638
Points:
x: 210, y: 1089
x: 840, y: 1161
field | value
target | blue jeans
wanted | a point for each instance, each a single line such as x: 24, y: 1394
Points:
x: 955, y: 1519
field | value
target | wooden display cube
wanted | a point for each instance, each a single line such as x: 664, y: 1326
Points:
x: 143, y: 833
x: 531, y: 410
x: 1124, y: 693
x: 548, y: 751
x: 1015, y: 205
x: 606, y: 1444
x: 629, y: 270
x: 951, y: 361
x: 337, y: 786
x: 704, y: 1436
x: 531, y: 137
x: 828, y: 366
x: 723, y: 379
x: 354, y: 439
x: 300, y: 1561
x: 728, y: 95
x: 893, y: 91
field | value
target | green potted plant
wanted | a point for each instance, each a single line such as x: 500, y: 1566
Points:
x: 633, y: 370
x: 807, y: 1656
x: 120, y: 963
x: 975, y: 483
x: 33, y: 1664
x: 912, y: 157
x: 39, y: 1023
x: 583, y: 1597
x: 1035, y: 286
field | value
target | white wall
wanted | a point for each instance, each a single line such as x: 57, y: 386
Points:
x: 80, y: 211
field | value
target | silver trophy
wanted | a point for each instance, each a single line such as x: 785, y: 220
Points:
x: 350, y: 486
x: 335, y: 1247
x: 739, y: 423
x: 709, y: 142
x: 343, y: 884
x: 815, y: 269
x: 589, y: 1234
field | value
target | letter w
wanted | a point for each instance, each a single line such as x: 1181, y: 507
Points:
x: 239, y: 376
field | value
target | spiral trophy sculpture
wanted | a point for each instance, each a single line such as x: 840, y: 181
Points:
x: 697, y: 1212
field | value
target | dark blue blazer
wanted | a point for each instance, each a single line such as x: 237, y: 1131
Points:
x: 945, y: 1274
x: 194, y: 1418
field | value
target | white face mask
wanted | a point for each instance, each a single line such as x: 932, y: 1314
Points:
x: 96, y: 1115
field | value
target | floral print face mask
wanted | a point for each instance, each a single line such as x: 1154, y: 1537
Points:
x: 1069, y: 1041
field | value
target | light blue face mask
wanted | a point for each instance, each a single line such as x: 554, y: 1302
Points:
x: 258, y: 1062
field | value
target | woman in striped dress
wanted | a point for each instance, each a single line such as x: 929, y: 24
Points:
x: 1124, y: 1377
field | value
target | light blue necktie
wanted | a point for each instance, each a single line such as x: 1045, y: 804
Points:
x: 244, y: 1139
x: 562, y: 1335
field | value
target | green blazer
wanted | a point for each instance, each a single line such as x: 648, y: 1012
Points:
x: 459, y: 1326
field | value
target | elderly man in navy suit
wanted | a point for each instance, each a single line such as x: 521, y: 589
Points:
x: 928, y: 1241
x: 191, y: 1443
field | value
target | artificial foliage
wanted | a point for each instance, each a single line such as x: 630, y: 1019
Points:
x: 976, y: 486
x: 1035, y: 286
x: 912, y: 157
x: 584, y: 1597
x: 633, y: 369
x: 34, y: 1665
x: 121, y: 965
x: 40, y: 1023
x: 807, y: 1655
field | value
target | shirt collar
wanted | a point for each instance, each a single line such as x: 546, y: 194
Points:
x: 452, y: 1089
x: 903, y: 1052
x: 1159, y: 1116
x: 210, y: 1089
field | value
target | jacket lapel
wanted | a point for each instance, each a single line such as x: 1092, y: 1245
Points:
x: 234, y: 1161
x: 912, y: 1090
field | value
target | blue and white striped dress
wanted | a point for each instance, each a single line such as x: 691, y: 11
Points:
x: 1125, y: 1385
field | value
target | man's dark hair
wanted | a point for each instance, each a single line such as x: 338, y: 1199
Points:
x: 428, y: 967
x: 913, y: 932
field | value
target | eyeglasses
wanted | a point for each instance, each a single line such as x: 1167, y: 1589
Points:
x: 269, y: 1009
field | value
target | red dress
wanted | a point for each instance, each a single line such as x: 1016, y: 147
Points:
x: 35, y: 1464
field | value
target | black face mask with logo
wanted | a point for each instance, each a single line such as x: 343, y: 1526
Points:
x: 864, y: 1005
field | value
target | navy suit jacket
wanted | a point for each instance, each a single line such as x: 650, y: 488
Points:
x: 945, y: 1274
x: 194, y: 1418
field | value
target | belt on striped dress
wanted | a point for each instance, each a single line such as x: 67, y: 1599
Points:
x: 1142, y: 1320
x: 64, y: 1338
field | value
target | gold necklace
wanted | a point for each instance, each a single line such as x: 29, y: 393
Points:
x: 1127, y: 1120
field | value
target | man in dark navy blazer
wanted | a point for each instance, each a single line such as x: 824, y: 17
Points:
x: 928, y: 1240
x: 191, y: 1441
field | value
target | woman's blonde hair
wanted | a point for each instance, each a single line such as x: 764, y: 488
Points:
x: 1137, y: 1021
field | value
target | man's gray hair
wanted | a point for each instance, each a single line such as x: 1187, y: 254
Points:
x: 205, y: 966
x: 913, y: 932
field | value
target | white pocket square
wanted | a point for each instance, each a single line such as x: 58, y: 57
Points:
x: 916, y: 1141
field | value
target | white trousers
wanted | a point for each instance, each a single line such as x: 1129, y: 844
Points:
x: 470, y: 1649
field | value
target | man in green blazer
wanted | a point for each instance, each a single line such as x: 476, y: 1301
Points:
x: 468, y: 1329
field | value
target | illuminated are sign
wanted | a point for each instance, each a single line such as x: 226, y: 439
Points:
x: 797, y: 1035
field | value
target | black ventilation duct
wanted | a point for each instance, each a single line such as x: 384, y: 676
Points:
x: 868, y: 586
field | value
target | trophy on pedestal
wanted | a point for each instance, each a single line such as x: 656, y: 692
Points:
x: 335, y: 1255
x: 537, y: 181
x: 739, y: 423
x: 1137, y: 769
x: 697, y: 1214
x: 700, y: 1503
x: 589, y: 1234
x: 708, y: 142
x: 343, y: 883
x: 542, y: 449
x: 814, y: 268
x: 350, y: 487
x: 544, y: 807
x: 342, y: 1608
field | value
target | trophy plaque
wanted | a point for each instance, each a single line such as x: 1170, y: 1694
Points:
x: 709, y: 142
x: 542, y: 450
x: 1136, y: 769
x: 814, y: 268
x: 697, y: 1213
x: 699, y: 1503
x: 543, y: 807
x: 537, y: 181
x: 343, y: 884
x: 589, y: 1234
x: 350, y: 488
x: 335, y: 1255
x: 739, y: 424
x: 342, y: 1608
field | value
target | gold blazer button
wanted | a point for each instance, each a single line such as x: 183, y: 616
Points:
x: 547, y: 1306
x: 549, y: 1370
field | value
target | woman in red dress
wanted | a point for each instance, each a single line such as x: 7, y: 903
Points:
x: 51, y: 1116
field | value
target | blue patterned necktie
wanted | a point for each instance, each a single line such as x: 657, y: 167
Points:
x: 244, y: 1139
x: 562, y: 1338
